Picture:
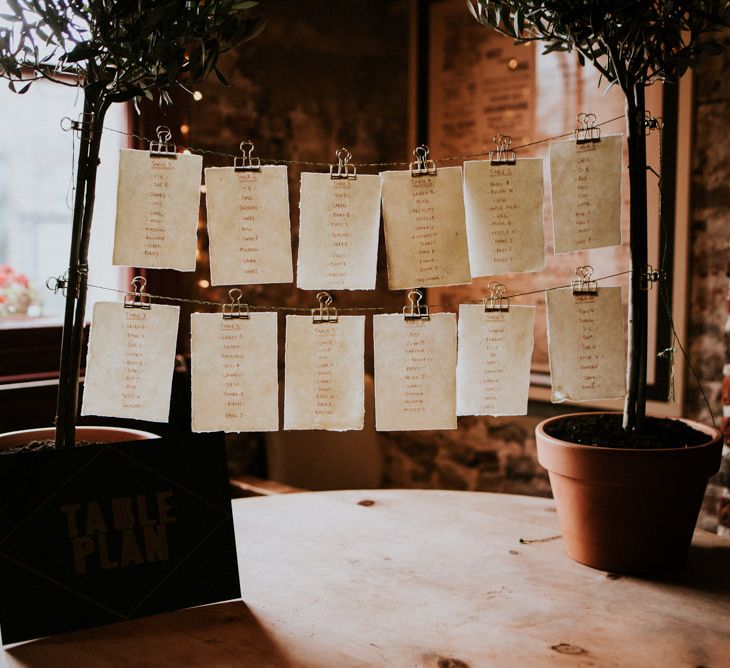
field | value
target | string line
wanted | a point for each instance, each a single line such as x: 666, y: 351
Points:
x: 311, y: 163
x: 348, y: 309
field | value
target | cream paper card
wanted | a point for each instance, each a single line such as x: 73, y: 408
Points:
x: 586, y: 193
x: 425, y: 229
x: 130, y: 362
x: 338, y: 232
x: 157, y: 211
x: 248, y: 226
x: 415, y: 372
x: 504, y: 221
x: 493, y: 367
x: 324, y: 373
x: 235, y: 381
x: 586, y: 344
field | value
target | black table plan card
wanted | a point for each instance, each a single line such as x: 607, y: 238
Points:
x: 104, y: 533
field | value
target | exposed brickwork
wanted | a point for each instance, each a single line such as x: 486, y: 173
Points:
x: 327, y: 75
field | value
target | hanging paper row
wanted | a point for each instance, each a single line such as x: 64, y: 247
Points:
x: 423, y: 378
x: 442, y: 226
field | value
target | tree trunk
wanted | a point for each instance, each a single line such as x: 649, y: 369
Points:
x: 75, y: 312
x: 635, y: 404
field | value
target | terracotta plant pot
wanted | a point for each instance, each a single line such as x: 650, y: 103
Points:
x: 14, y: 439
x: 628, y: 510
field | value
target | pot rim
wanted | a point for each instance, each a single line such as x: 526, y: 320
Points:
x: 713, y: 435
x: 41, y: 432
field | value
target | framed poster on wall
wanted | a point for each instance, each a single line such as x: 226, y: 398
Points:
x: 475, y: 83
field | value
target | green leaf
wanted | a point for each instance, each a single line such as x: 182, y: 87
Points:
x: 472, y: 11
x: 219, y: 76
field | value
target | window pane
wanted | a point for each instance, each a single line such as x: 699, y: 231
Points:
x: 37, y: 167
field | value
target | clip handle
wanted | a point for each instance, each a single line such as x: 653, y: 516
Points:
x: 584, y: 285
x: 502, y: 153
x: 496, y: 301
x: 422, y: 166
x: 248, y: 162
x: 234, y: 309
x: 344, y: 169
x: 163, y: 147
x: 415, y: 309
x: 587, y: 132
x: 325, y: 312
x: 137, y: 298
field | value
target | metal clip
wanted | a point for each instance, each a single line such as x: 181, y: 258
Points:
x: 415, y: 310
x: 587, y: 132
x: 344, y: 169
x: 56, y: 283
x: 247, y: 162
x: 162, y: 148
x: 325, y: 312
x: 648, y: 277
x: 503, y: 153
x: 235, y: 310
x: 496, y: 300
x: 651, y: 123
x: 85, y: 120
x: 584, y: 285
x: 137, y: 298
x: 422, y: 166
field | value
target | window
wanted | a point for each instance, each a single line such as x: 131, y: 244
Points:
x: 37, y: 167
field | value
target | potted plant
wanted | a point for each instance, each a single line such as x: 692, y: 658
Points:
x: 627, y: 488
x: 114, y: 52
x: 118, y: 529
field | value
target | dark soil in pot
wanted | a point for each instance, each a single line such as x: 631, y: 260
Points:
x: 605, y: 430
x: 39, y: 446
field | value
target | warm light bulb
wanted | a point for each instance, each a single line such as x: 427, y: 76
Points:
x: 197, y: 96
x: 512, y: 64
x: 203, y: 283
x: 184, y: 128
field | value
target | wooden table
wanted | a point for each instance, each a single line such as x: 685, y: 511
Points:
x: 419, y: 578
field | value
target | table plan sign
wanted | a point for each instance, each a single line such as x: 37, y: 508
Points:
x: 324, y: 373
x: 493, y: 366
x: 248, y: 225
x: 586, y: 345
x: 235, y: 383
x: 130, y: 362
x: 415, y: 379
x: 338, y: 232
x: 586, y: 193
x: 504, y: 216
x: 157, y: 210
x: 425, y: 229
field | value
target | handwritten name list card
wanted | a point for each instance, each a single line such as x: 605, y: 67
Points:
x: 235, y: 380
x: 248, y: 226
x: 586, y: 193
x: 324, y: 373
x: 504, y: 221
x: 586, y: 344
x: 415, y: 379
x: 425, y: 229
x: 130, y: 362
x: 338, y: 233
x: 157, y: 211
x: 493, y: 367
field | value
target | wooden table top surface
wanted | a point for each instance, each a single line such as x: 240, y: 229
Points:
x: 423, y: 579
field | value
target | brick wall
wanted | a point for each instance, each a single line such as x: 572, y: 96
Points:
x: 709, y: 328
x: 332, y: 74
